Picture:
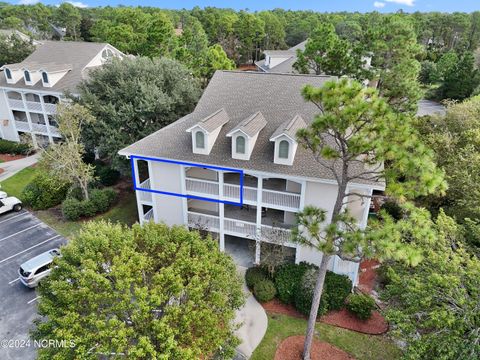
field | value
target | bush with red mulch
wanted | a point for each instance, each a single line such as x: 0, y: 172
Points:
x: 376, y: 325
x: 368, y: 278
x: 292, y: 348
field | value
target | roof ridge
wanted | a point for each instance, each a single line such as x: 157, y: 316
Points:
x: 278, y: 74
x: 205, y: 119
x: 292, y: 121
x: 251, y: 118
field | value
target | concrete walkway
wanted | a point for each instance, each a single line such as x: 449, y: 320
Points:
x: 12, y: 167
x: 253, y: 320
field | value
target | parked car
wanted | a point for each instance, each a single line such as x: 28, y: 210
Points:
x: 9, y: 203
x: 37, y: 268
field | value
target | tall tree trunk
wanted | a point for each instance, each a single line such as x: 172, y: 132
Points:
x: 317, y: 294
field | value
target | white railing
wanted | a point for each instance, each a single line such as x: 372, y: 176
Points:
x: 240, y: 227
x: 39, y: 128
x: 276, y: 235
x: 233, y: 191
x: 203, y: 221
x: 145, y: 195
x: 17, y: 104
x: 34, y: 106
x: 50, y: 108
x: 281, y: 198
x: 202, y: 186
x: 148, y: 216
x: 22, y: 126
x: 54, y: 131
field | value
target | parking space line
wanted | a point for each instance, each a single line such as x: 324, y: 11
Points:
x: 29, y: 302
x: 13, y: 217
x: 11, y: 282
x: 21, y: 231
x: 30, y: 248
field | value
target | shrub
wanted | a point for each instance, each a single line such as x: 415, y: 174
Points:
x: 338, y: 287
x: 361, y: 305
x: 44, y: 192
x: 71, y: 209
x: 106, y: 175
x: 17, y: 148
x: 393, y: 209
x: 287, y: 278
x: 102, y: 199
x: 264, y: 290
x: 254, y: 275
x: 304, y: 294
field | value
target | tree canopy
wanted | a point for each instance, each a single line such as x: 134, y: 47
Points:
x: 13, y: 49
x: 132, y: 98
x: 146, y: 292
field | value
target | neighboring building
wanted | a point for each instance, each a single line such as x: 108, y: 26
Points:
x: 280, y: 61
x: 9, y: 32
x: 30, y: 90
x: 245, y: 121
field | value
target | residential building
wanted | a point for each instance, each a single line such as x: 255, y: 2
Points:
x: 31, y: 89
x: 280, y: 61
x: 238, y: 144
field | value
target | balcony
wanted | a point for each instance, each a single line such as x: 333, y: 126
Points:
x: 148, y: 215
x: 231, y: 192
x: 37, y: 128
x: 145, y: 196
x: 32, y: 106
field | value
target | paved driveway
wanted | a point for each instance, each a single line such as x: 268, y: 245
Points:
x: 22, y: 236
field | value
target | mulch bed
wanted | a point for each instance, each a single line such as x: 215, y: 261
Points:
x: 8, y: 157
x: 376, y: 325
x: 367, y: 278
x: 292, y: 348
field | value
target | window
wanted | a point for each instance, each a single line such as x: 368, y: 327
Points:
x: 240, y: 145
x: 283, y: 148
x: 8, y: 74
x: 45, y: 77
x: 200, y: 140
x: 42, y: 269
x: 27, y: 76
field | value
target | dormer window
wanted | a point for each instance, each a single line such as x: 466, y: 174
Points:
x: 240, y: 145
x: 283, y: 149
x: 200, y: 140
x: 26, y: 74
x: 8, y: 73
x: 45, y: 77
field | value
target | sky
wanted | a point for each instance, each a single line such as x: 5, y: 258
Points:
x: 317, y: 5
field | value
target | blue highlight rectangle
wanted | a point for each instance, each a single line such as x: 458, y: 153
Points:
x: 135, y: 187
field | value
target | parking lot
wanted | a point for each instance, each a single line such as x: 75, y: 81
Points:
x: 22, y: 236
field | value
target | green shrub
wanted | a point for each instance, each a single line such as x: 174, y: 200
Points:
x: 10, y: 147
x: 338, y: 287
x: 264, y: 290
x: 304, y: 294
x: 253, y: 275
x: 87, y: 208
x: 44, y: 192
x: 107, y: 176
x: 361, y: 305
x: 287, y: 278
x: 99, y: 200
x: 71, y: 209
x: 393, y: 209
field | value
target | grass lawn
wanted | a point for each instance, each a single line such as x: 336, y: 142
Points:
x: 15, y: 184
x: 360, y: 346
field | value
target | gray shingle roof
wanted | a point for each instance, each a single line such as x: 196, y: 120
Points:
x: 251, y: 125
x: 285, y: 66
x: 212, y: 121
x: 56, y: 54
x: 290, y: 127
x: 277, y: 96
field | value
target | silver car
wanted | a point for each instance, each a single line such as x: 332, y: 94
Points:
x: 35, y: 269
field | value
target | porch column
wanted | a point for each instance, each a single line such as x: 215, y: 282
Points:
x: 29, y: 120
x: 136, y: 181
x: 259, y: 218
x: 184, y: 192
x: 45, y: 117
x: 221, y: 212
x: 302, y: 205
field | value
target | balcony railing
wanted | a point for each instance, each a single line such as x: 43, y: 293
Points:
x: 32, y: 106
x: 22, y: 126
x: 282, y: 199
x: 145, y: 195
x: 148, y: 215
x: 50, y: 108
x: 16, y: 104
x: 37, y: 128
x: 239, y: 228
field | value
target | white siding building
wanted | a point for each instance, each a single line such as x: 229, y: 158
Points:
x: 178, y: 184
x: 31, y: 90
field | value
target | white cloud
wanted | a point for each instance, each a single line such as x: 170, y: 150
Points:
x: 28, y: 2
x: 78, y: 4
x: 379, y: 4
x: 402, y: 2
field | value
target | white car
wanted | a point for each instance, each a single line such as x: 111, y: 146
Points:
x: 37, y: 268
x: 9, y: 203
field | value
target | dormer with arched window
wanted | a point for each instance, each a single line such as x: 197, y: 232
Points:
x: 45, y: 78
x: 27, y: 76
x: 205, y: 132
x: 285, y: 141
x: 245, y: 134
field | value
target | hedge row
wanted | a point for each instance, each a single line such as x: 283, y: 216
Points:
x: 10, y: 147
x: 99, y: 202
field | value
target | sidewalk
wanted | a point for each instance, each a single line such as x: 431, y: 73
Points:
x: 12, y: 167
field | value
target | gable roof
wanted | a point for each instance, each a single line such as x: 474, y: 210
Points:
x: 290, y: 128
x: 278, y: 98
x: 212, y: 121
x: 71, y: 55
x: 251, y: 125
x: 285, y: 66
